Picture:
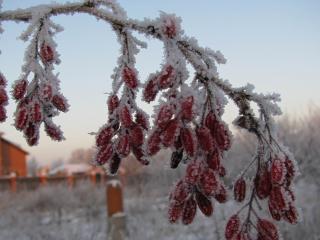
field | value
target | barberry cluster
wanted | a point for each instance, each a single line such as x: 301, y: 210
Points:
x: 39, y: 99
x: 203, y: 148
x: 187, y: 119
x: 273, y: 182
x: 123, y: 133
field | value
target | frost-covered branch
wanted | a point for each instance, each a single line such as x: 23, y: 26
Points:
x: 188, y: 118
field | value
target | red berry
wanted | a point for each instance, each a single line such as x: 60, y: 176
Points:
x: 113, y: 103
x: 211, y: 121
x: 189, y: 211
x: 208, y: 182
x: 154, y: 143
x: 232, y: 227
x: 136, y: 136
x: 291, y: 215
x: 192, y: 172
x: 3, y: 114
x: 164, y: 116
x: 175, y: 211
x: 3, y: 81
x: 140, y: 156
x: 104, y: 136
x: 205, y: 139
x: 104, y: 154
x: 263, y: 183
x: 169, y: 27
x: 186, y: 108
x: 188, y: 142
x: 278, y: 199
x: 46, y: 53
x: 47, y: 92
x: 123, y: 147
x: 19, y: 89
x: 142, y: 120
x: 125, y: 117
x: 204, y: 204
x: 267, y: 229
x: 170, y: 132
x: 3, y: 96
x: 290, y: 170
x: 37, y: 112
x: 32, y: 141
x: 240, y: 190
x: 53, y: 132
x: 213, y: 160
x: 275, y: 214
x: 176, y: 158
x: 180, y: 192
x: 60, y: 103
x: 277, y: 171
x: 30, y: 131
x: 165, y: 79
x: 21, y: 119
x: 221, y: 195
x: 130, y: 77
x: 150, y: 90
x: 222, y: 137
x: 114, y: 164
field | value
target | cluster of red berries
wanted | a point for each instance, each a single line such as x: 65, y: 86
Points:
x: 274, y: 182
x: 159, y: 81
x: 37, y: 104
x: 266, y: 230
x: 202, y: 148
x: 122, y: 135
x: 3, y: 98
x: 36, y: 107
x: 184, y: 201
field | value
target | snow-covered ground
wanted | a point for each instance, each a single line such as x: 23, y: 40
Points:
x: 59, y: 213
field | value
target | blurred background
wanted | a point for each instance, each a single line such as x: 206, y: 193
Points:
x: 273, y: 45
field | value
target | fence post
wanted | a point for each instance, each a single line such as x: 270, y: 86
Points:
x: 13, y: 182
x: 70, y: 180
x: 43, y: 179
x: 93, y: 177
x: 116, y: 217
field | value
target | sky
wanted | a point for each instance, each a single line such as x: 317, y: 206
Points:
x: 275, y: 45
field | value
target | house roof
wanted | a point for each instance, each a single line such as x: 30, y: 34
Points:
x: 71, y: 168
x: 13, y: 145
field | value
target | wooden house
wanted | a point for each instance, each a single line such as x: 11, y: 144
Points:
x: 13, y: 159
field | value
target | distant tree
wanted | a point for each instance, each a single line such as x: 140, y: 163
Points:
x: 302, y: 136
x: 57, y: 163
x: 187, y: 119
x: 32, y: 166
x: 82, y: 156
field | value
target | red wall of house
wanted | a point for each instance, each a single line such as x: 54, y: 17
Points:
x: 18, y: 161
x: 12, y: 159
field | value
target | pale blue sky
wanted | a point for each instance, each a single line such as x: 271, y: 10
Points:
x: 274, y: 45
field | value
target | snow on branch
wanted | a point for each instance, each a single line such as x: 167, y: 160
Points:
x: 188, y: 118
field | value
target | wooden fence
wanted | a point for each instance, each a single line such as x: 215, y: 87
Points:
x: 15, y: 184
